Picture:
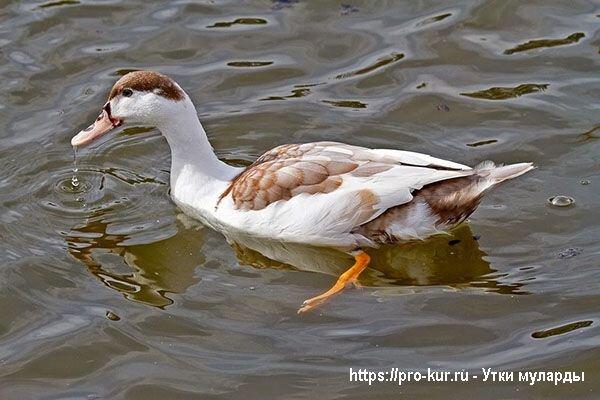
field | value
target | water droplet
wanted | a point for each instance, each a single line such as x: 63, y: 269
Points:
x: 74, y: 179
x: 561, y: 201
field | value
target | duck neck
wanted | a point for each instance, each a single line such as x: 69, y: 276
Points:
x: 192, y: 156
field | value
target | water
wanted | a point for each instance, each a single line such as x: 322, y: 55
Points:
x: 108, y: 291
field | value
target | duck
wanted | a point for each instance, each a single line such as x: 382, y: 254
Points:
x: 325, y: 194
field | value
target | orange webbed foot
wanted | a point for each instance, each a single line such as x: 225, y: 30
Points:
x: 350, y: 277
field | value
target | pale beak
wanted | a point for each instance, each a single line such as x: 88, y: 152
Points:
x: 104, y: 123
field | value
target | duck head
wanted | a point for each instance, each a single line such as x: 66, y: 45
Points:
x: 140, y: 97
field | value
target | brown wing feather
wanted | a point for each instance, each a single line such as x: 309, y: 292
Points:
x: 270, y: 181
x: 292, y: 169
x: 282, y: 173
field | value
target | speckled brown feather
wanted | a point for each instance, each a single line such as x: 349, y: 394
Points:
x: 271, y: 181
x: 148, y: 81
x: 293, y: 169
x: 282, y: 173
x: 451, y: 201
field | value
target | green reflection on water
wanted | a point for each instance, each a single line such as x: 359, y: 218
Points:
x: 503, y: 93
x: 249, y: 63
x: 382, y: 62
x: 561, y: 329
x: 541, y: 43
x: 437, y: 18
x: 346, y: 103
x: 239, y: 21
x: 154, y: 269
x: 59, y: 3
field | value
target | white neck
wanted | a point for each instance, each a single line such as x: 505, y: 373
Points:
x: 192, y: 158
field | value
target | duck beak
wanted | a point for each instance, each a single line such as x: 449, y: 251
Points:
x: 104, y: 123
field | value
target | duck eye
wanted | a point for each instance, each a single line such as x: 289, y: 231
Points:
x: 127, y: 92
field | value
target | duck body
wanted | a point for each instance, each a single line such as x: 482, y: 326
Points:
x: 324, y: 193
x: 337, y: 195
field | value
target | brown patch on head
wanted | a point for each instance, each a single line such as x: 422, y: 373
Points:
x: 148, y: 81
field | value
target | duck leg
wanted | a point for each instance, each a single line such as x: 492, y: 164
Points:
x: 361, y: 261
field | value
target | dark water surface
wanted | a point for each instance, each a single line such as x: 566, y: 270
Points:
x: 108, y: 292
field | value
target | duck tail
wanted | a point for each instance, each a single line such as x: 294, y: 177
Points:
x: 501, y: 173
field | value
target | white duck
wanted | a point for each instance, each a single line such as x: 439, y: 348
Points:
x: 324, y: 193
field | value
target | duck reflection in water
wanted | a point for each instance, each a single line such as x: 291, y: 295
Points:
x: 145, y: 273
x: 155, y: 271
x: 454, y: 260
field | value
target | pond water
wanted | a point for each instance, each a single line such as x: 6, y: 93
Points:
x: 108, y: 291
